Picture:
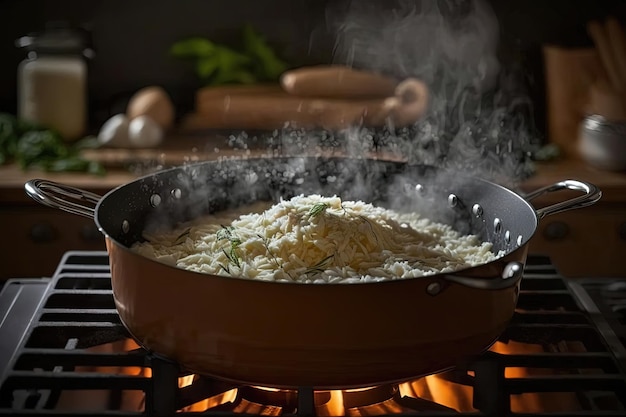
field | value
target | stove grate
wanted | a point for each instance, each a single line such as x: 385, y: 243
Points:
x: 53, y: 330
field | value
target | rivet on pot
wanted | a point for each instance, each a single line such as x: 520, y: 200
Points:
x: 507, y: 237
x: 125, y: 226
x: 497, y: 225
x: 155, y: 200
x: 477, y: 210
x: 520, y: 240
x: 176, y: 193
x: 433, y: 288
x: 453, y: 200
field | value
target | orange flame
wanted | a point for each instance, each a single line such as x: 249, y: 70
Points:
x: 434, y: 388
x: 334, y: 406
x: 535, y: 402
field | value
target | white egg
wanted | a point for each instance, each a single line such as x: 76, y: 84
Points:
x: 114, y: 132
x: 143, y: 132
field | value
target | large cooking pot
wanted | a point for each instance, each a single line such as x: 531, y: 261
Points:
x: 319, y: 335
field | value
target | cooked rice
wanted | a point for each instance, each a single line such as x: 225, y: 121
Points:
x: 316, y: 239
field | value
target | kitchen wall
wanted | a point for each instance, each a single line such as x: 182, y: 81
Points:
x: 131, y: 38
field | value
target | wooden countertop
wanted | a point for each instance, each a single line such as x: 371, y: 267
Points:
x: 611, y: 183
x: 12, y: 178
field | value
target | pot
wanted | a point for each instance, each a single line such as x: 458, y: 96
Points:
x: 317, y: 335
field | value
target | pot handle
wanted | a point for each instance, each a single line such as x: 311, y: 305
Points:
x: 60, y: 196
x: 591, y: 195
x: 511, y: 275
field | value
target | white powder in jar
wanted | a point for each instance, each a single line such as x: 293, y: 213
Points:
x: 53, y: 93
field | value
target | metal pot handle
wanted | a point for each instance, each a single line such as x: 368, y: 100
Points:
x: 59, y: 196
x: 511, y: 275
x: 591, y: 195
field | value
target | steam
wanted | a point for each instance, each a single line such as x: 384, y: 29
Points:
x: 479, y: 120
x: 450, y: 45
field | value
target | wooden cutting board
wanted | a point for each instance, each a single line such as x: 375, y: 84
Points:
x: 176, y: 149
x: 183, y: 149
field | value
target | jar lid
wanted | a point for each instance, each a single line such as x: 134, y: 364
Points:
x: 58, y: 37
x: 598, y: 123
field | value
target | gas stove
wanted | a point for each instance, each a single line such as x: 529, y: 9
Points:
x: 64, y: 351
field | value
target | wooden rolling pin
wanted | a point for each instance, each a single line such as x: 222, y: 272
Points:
x: 336, y: 81
x: 607, y: 94
x: 268, y: 108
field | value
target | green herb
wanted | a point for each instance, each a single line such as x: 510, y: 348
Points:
x: 217, y: 64
x: 265, y: 63
x: 320, y: 266
x: 193, y: 48
x: 8, y: 137
x: 266, y: 243
x: 183, y: 235
x: 318, y: 209
x: 226, y: 233
x: 232, y: 257
x: 31, y: 145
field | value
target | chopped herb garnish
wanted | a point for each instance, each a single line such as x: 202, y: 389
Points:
x: 226, y: 233
x: 320, y: 266
x: 266, y: 243
x: 183, y: 235
x: 318, y: 209
x: 232, y: 257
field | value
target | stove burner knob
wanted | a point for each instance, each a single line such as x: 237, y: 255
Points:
x: 556, y: 230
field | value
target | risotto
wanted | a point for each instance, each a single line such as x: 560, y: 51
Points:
x: 316, y: 239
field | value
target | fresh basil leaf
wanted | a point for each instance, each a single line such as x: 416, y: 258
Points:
x: 8, y: 137
x: 267, y: 65
x: 88, y: 142
x: 206, y: 66
x: 193, y: 48
x: 40, y: 146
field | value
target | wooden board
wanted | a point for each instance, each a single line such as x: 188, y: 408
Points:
x: 268, y: 107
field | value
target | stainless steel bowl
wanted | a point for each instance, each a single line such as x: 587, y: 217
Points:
x: 602, y: 143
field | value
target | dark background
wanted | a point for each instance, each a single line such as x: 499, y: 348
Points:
x: 131, y: 38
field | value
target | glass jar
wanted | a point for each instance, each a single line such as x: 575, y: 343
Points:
x: 52, y: 80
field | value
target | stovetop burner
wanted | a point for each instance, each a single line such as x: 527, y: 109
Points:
x: 63, y: 351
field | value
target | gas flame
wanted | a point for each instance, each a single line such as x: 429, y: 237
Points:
x: 537, y: 402
x: 431, y: 391
x: 334, y: 406
x: 207, y: 403
x: 436, y: 389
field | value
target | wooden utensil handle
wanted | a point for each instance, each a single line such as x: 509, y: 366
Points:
x: 336, y: 81
x: 617, y: 42
x: 273, y: 112
x: 600, y: 38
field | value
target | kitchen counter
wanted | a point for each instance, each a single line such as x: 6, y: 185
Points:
x: 589, y: 241
x: 12, y: 178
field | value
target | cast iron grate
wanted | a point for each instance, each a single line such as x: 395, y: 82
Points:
x: 50, y: 327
